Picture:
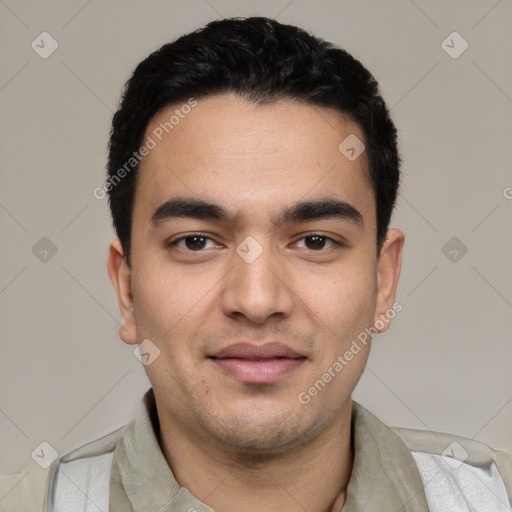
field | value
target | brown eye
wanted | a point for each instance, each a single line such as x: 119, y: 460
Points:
x: 195, y: 242
x: 316, y: 242
x: 192, y: 243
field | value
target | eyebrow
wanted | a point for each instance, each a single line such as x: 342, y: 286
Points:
x: 303, y: 211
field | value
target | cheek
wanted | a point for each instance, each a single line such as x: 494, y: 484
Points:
x: 344, y: 299
x: 161, y: 299
x: 172, y: 305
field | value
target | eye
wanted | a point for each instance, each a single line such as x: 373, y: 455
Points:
x: 316, y: 242
x: 198, y: 242
x: 194, y: 242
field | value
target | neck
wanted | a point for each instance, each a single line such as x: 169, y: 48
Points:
x: 311, y: 477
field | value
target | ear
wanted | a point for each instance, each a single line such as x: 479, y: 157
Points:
x: 121, y: 276
x: 388, y: 273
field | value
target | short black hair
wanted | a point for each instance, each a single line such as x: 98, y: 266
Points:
x: 264, y: 61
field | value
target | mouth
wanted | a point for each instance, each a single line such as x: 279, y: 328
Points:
x: 257, y: 364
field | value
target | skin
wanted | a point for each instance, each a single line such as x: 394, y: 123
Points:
x: 239, y: 446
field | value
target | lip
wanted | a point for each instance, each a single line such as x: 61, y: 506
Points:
x: 257, y: 364
x: 251, y: 351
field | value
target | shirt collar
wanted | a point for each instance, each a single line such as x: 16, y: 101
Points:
x: 384, y: 475
x: 140, y: 473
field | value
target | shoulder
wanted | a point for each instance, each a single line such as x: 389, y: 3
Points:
x: 25, y: 491
x: 83, y: 473
x: 460, y: 469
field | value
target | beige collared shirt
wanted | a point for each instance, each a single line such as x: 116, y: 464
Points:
x: 384, y: 477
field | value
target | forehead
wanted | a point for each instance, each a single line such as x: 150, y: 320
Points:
x: 253, y: 159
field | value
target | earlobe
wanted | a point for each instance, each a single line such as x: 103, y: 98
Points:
x: 120, y: 275
x: 388, y: 274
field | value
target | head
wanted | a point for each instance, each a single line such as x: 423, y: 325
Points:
x: 244, y: 216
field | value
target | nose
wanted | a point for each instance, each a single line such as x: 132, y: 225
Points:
x: 257, y: 289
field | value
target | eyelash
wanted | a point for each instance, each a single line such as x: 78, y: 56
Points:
x: 174, y: 243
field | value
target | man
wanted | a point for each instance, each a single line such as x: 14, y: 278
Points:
x: 253, y: 171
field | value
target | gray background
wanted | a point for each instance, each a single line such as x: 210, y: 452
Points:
x: 445, y: 364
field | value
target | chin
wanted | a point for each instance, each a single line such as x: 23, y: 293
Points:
x: 255, y: 432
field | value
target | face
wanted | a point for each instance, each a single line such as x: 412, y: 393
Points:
x: 253, y: 270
